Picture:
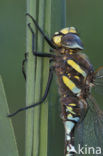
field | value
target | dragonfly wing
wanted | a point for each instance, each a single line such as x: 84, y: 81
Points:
x: 98, y: 123
x: 90, y: 132
x: 99, y: 80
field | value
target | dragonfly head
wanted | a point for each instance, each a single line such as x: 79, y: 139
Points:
x: 68, y: 38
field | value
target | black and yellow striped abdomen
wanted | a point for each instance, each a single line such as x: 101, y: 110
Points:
x: 72, y: 71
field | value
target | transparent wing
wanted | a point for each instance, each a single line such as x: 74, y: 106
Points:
x: 90, y: 132
x: 99, y: 80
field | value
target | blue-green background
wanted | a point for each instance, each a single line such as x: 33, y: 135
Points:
x: 86, y: 16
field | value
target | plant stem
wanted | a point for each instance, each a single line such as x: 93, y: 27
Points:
x: 50, y: 16
x: 30, y: 74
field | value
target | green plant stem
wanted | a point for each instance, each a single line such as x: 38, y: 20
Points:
x: 30, y: 85
x: 38, y: 80
x: 44, y: 108
x: 47, y: 14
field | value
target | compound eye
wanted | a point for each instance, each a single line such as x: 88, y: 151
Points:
x: 57, y: 40
x: 72, y: 41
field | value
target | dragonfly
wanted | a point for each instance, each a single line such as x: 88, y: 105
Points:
x: 76, y: 77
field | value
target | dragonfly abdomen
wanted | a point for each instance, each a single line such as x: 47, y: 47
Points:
x: 72, y: 86
x: 72, y: 113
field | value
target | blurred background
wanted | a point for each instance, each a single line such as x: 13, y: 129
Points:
x: 86, y: 16
x: 12, y: 49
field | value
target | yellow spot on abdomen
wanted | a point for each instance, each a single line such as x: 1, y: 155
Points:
x: 77, y: 77
x: 69, y: 74
x: 70, y: 53
x: 70, y: 109
x: 72, y: 104
x: 69, y: 115
x: 75, y: 66
x: 70, y: 85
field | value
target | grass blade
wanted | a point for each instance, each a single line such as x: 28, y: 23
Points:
x: 8, y: 146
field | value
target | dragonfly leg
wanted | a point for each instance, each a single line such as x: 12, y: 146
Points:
x: 41, y: 31
x: 23, y: 65
x: 39, y: 54
x: 42, y: 99
x: 33, y: 46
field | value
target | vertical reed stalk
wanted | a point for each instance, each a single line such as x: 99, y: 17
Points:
x: 30, y: 82
x: 50, y: 16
